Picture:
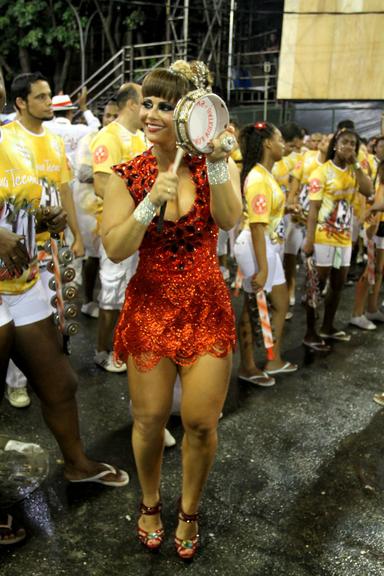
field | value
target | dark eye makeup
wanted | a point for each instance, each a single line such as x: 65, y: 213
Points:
x: 162, y: 106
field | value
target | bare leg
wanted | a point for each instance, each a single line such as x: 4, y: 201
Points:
x: 279, y: 299
x: 373, y: 298
x: 37, y: 352
x: 6, y: 339
x: 361, y: 293
x: 90, y: 274
x: 311, y: 334
x: 151, y: 394
x: 246, y: 343
x: 106, y: 326
x: 204, y: 386
x: 337, y: 280
x: 290, y: 273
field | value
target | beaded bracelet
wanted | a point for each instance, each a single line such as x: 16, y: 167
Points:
x: 145, y: 212
x: 217, y: 172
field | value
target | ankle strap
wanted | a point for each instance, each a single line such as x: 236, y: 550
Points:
x: 187, y: 517
x: 150, y: 510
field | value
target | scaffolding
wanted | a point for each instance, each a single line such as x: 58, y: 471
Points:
x: 239, y: 40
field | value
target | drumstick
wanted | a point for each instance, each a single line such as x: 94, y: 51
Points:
x: 265, y: 322
x: 175, y: 166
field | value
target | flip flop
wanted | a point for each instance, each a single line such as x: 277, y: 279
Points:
x: 262, y: 379
x: 16, y: 533
x: 99, y: 478
x: 379, y: 399
x: 286, y: 369
x: 317, y: 346
x: 340, y: 335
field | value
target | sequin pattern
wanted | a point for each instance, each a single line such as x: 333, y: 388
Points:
x: 177, y: 304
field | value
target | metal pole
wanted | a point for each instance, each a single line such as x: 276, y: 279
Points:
x: 185, y: 28
x: 267, y: 69
x: 82, y: 47
x: 230, y: 49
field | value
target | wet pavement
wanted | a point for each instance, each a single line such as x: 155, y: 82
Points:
x: 297, y: 488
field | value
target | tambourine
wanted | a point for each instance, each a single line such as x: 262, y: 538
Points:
x: 199, y: 117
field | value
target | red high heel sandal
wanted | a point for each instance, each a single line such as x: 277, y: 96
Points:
x: 187, y: 548
x: 151, y: 540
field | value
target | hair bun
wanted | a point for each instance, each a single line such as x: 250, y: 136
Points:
x: 196, y: 73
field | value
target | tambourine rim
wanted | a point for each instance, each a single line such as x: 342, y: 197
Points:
x: 192, y: 98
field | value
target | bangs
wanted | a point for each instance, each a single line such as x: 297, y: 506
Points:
x: 166, y: 85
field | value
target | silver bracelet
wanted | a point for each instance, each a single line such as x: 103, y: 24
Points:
x: 145, y: 211
x: 217, y: 172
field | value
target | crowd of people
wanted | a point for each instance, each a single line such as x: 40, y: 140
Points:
x: 161, y: 298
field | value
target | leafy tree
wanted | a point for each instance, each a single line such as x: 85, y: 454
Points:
x: 38, y: 34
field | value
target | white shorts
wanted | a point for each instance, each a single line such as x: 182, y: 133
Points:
x: 332, y: 256
x: 222, y: 242
x: 29, y: 307
x: 294, y: 238
x: 5, y: 316
x: 114, y: 279
x: 246, y: 259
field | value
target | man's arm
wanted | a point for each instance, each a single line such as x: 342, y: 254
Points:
x: 100, y: 183
x: 92, y: 122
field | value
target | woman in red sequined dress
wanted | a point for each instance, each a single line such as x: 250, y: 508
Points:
x: 177, y: 316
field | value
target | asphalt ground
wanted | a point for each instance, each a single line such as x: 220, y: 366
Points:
x: 297, y: 488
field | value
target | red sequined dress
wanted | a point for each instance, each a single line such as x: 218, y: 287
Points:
x: 177, y: 304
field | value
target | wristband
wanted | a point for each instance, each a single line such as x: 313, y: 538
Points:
x: 145, y: 212
x: 217, y: 172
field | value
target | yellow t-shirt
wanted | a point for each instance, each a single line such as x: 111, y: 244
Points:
x: 335, y: 188
x: 282, y: 169
x: 20, y: 196
x: 265, y: 202
x: 302, y: 172
x: 51, y: 163
x: 115, y: 144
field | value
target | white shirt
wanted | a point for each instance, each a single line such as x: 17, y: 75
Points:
x: 72, y: 133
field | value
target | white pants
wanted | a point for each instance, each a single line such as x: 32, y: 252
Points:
x: 246, y: 259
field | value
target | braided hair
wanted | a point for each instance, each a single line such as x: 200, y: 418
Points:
x: 332, y: 143
x: 251, y: 141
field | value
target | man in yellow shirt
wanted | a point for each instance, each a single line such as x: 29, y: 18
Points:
x: 27, y: 333
x: 120, y: 141
x: 89, y: 209
x: 31, y: 96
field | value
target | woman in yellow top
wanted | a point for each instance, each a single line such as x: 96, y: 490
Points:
x: 258, y: 246
x: 331, y: 191
x: 375, y: 229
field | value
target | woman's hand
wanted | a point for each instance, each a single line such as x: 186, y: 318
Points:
x: 221, y: 143
x: 308, y: 247
x: 259, y: 279
x: 164, y: 188
x: 294, y: 208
